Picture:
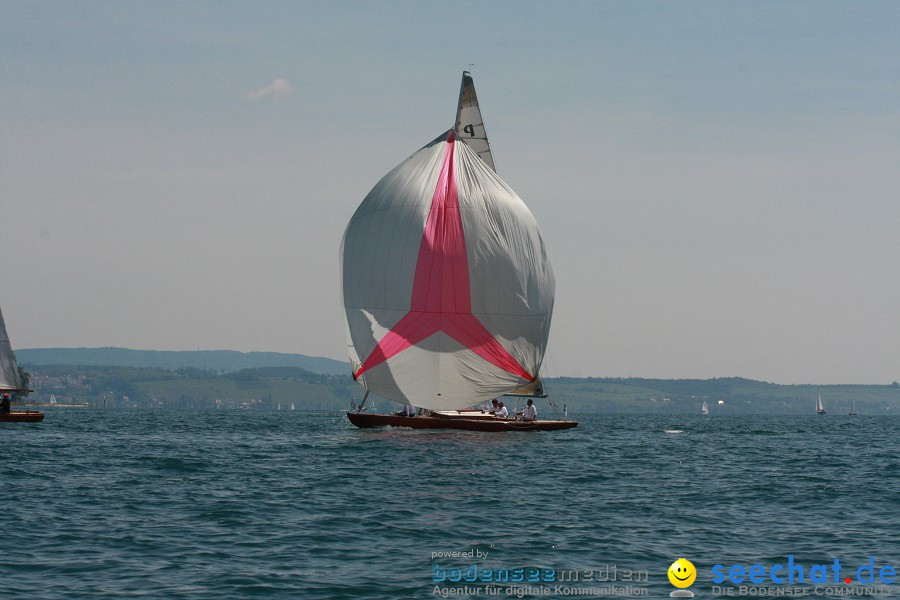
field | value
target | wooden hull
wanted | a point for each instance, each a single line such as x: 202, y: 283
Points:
x: 27, y: 416
x: 461, y: 422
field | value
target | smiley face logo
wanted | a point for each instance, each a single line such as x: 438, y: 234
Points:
x: 682, y: 573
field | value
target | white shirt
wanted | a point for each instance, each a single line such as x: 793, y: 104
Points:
x: 502, y: 413
x: 530, y: 413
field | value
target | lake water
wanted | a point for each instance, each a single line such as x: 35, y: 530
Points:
x: 233, y: 504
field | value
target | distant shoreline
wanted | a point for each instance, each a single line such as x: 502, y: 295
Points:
x: 271, y: 388
x: 235, y: 360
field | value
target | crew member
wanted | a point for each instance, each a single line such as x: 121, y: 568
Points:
x: 502, y: 412
x: 530, y: 412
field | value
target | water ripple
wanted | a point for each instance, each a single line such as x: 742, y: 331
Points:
x: 106, y: 504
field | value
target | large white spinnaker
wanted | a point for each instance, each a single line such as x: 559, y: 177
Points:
x: 447, y: 289
x: 9, y: 371
x: 469, y: 124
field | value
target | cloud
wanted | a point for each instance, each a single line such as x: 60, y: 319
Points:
x: 276, y: 89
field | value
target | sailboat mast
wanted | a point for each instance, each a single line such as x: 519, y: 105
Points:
x: 459, y: 103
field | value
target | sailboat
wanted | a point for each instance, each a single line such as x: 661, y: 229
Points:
x: 10, y: 381
x: 820, y: 408
x: 447, y: 288
x: 852, y: 412
x: 704, y: 410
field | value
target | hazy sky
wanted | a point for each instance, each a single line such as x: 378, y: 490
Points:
x: 717, y: 183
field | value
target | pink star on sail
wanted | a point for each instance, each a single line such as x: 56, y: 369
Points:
x: 441, y: 299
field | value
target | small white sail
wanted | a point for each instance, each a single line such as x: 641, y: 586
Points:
x: 820, y: 407
x: 705, y: 409
x: 9, y: 371
x: 469, y: 124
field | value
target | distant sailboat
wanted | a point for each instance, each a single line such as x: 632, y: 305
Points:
x: 447, y: 288
x: 852, y: 412
x: 820, y: 408
x: 10, y: 381
x: 705, y: 409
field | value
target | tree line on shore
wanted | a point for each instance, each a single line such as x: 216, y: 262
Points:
x: 279, y: 388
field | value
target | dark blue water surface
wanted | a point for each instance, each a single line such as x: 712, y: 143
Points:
x: 228, y: 504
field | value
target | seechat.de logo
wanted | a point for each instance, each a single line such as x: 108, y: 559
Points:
x: 682, y: 574
x: 791, y: 572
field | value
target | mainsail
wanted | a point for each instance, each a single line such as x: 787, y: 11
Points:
x: 469, y: 124
x: 447, y: 289
x: 9, y: 371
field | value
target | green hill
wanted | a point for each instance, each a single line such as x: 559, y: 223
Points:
x: 732, y: 395
x: 214, y: 360
x: 124, y: 387
x: 268, y: 388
